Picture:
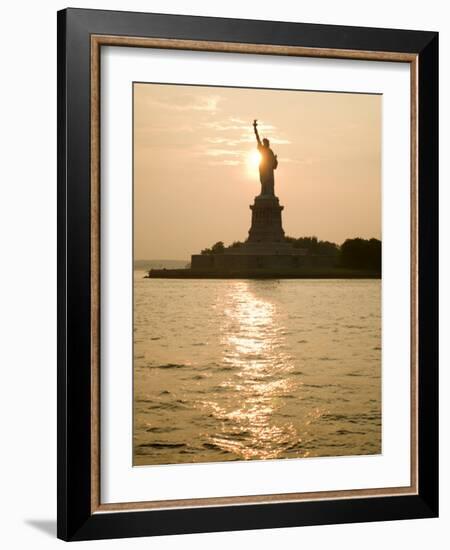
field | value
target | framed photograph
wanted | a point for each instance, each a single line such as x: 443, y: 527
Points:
x: 247, y: 255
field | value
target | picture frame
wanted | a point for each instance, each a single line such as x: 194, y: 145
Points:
x: 81, y: 36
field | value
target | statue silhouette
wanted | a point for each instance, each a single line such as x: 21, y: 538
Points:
x: 267, y: 165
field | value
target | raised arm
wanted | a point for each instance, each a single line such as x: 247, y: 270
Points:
x: 255, y: 123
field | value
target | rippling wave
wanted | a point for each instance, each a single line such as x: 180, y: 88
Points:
x: 255, y: 369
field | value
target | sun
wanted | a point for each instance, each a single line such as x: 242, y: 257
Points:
x: 253, y: 160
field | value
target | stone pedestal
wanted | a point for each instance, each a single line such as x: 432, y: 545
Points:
x: 264, y: 253
x: 266, y: 221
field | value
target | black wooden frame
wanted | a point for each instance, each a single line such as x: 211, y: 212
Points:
x: 75, y: 521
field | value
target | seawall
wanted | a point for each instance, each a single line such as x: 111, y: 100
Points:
x: 300, y: 273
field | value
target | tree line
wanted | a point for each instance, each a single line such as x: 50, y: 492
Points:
x: 354, y: 253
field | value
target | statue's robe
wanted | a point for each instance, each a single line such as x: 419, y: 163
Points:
x: 267, y: 165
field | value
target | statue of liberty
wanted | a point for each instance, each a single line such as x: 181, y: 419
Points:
x: 267, y: 165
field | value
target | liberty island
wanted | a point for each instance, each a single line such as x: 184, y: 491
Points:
x: 266, y: 253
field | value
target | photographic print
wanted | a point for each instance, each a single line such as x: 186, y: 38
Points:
x: 245, y: 322
x: 257, y: 274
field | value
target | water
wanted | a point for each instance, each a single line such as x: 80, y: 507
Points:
x: 255, y: 369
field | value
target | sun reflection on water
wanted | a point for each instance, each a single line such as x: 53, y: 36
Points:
x: 258, y: 369
x: 252, y: 342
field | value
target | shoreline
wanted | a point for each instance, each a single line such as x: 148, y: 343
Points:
x: 333, y: 273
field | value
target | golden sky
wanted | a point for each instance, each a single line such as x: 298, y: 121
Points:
x: 195, y: 173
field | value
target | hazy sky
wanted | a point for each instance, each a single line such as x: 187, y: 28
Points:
x: 195, y: 172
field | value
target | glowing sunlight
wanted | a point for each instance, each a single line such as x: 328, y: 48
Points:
x: 252, y: 161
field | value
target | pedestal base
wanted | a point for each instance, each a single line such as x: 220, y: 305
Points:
x: 266, y: 221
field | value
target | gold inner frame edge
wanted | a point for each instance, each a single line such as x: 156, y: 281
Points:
x: 97, y: 41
